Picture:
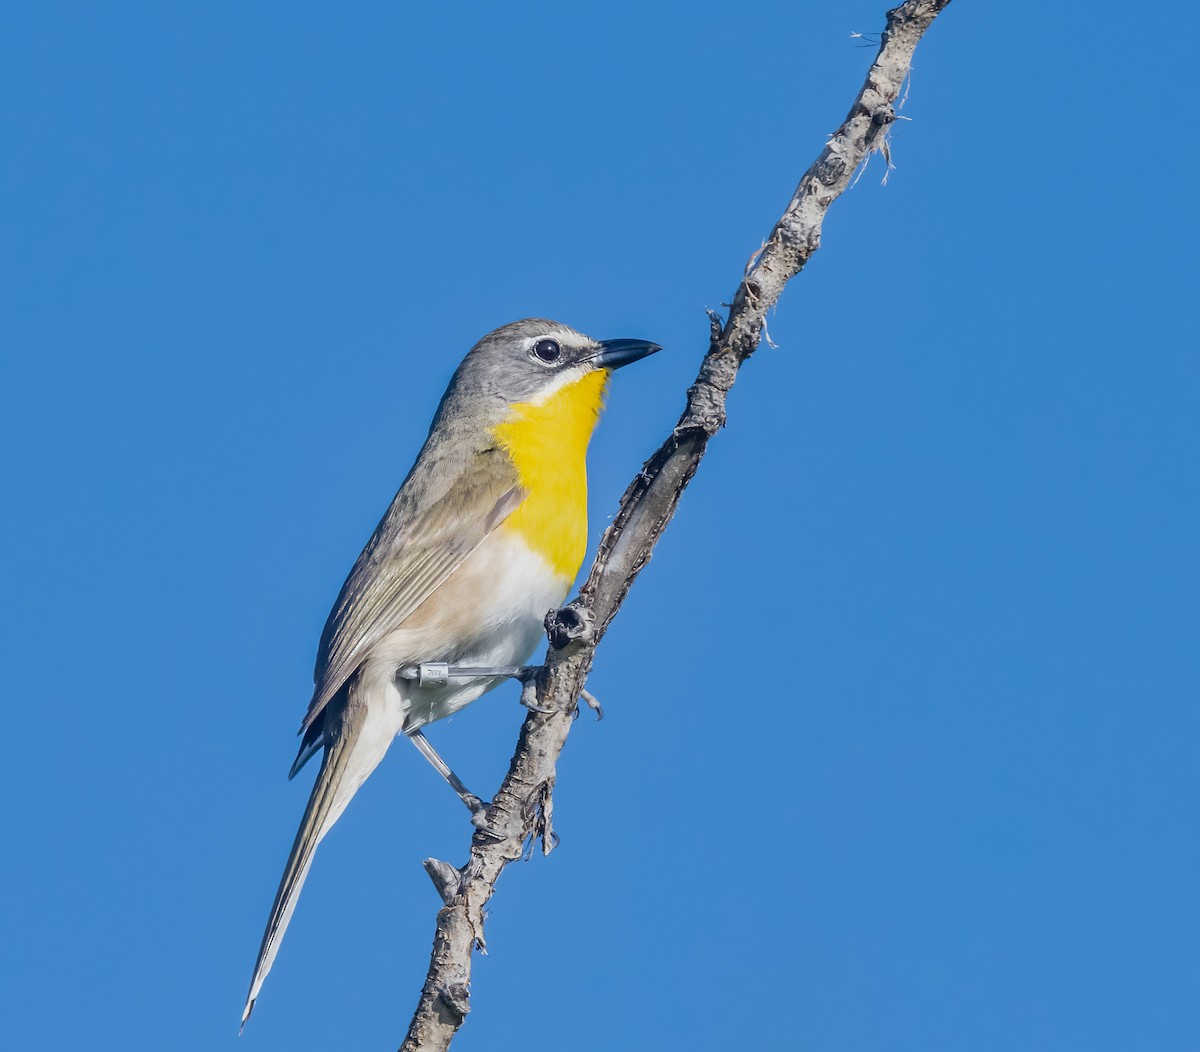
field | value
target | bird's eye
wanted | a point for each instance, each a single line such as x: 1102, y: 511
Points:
x: 547, y: 351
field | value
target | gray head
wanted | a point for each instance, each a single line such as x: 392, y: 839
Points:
x: 527, y: 361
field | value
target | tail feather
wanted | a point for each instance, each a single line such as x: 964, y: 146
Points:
x: 314, y: 741
x: 313, y: 827
x: 350, y: 756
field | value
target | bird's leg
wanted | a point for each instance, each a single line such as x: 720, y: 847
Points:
x: 476, y: 806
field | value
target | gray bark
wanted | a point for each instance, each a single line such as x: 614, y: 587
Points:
x: 521, y: 811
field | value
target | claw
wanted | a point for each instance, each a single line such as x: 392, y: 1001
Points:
x: 537, y: 708
x: 483, y: 829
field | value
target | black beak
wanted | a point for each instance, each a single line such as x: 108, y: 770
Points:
x: 615, y: 353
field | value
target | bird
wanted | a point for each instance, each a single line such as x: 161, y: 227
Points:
x: 484, y: 537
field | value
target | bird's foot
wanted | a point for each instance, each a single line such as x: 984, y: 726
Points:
x: 446, y: 878
x: 593, y: 703
x: 530, y: 700
x: 529, y: 695
x: 478, y: 809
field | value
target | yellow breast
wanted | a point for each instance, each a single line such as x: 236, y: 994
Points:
x: 548, y: 443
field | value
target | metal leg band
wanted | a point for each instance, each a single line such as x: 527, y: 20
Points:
x: 439, y: 673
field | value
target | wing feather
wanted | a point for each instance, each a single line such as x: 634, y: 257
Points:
x: 408, y: 557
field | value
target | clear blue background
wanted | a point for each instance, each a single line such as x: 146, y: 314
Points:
x: 901, y: 747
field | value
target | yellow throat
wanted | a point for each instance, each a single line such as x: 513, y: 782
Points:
x: 548, y: 442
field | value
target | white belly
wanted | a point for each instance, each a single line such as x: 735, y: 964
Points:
x: 489, y: 612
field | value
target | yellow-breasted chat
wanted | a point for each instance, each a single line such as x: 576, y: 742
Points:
x: 484, y: 537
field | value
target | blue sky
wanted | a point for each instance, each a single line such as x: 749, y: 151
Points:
x: 904, y: 708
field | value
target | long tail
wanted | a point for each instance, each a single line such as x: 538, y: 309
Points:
x: 349, y: 757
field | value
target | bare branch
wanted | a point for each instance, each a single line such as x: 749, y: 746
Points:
x: 521, y: 810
